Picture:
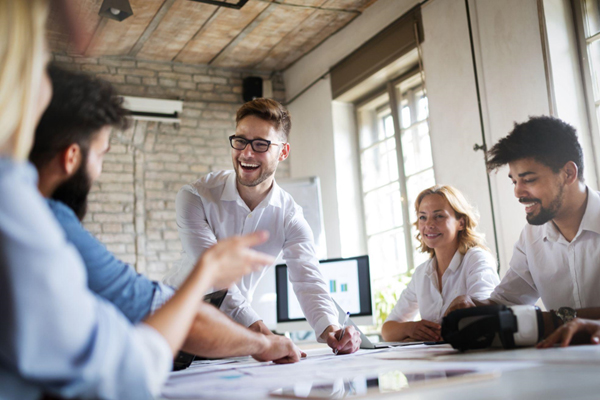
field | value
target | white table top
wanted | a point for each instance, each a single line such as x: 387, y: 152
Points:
x: 572, y: 373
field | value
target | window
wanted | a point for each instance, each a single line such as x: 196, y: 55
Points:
x: 396, y: 165
x: 591, y: 30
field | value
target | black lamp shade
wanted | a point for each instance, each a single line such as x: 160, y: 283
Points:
x: 116, y: 9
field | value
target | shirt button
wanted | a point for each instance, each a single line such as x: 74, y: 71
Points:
x: 250, y: 215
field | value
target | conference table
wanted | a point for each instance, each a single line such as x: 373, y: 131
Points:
x: 409, y: 372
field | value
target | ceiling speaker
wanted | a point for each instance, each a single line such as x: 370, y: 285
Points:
x: 252, y: 88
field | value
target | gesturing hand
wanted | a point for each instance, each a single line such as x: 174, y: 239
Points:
x: 563, y: 335
x: 230, y: 259
x: 425, y: 330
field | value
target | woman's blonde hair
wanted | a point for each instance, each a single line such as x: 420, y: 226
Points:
x: 22, y: 62
x: 468, y: 237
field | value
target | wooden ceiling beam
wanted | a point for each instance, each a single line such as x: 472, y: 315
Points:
x: 152, y: 26
x: 204, y: 26
x: 227, y: 50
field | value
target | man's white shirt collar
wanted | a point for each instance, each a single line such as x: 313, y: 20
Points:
x: 590, y: 221
x: 231, y: 193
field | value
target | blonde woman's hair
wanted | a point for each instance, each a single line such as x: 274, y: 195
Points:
x: 468, y: 237
x: 22, y: 62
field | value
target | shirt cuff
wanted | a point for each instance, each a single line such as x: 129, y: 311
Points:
x: 246, y: 316
x: 322, y: 324
x: 157, y: 357
x: 162, y: 294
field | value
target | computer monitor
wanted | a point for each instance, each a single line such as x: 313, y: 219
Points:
x: 349, y: 283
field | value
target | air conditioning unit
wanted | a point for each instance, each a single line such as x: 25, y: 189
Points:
x: 154, y: 109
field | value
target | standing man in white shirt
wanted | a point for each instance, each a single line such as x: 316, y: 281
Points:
x: 557, y: 257
x: 227, y: 203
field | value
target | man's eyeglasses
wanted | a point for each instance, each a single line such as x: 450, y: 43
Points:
x: 258, y: 145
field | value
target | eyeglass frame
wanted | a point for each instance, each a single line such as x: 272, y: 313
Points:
x: 251, y: 141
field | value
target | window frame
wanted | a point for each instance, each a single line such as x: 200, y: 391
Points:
x: 393, y: 89
x: 586, y: 71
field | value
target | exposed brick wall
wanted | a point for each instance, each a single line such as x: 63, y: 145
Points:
x: 132, y: 206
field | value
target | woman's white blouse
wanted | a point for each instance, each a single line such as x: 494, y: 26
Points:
x: 472, y: 274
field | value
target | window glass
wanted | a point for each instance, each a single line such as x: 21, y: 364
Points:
x: 422, y: 107
x: 383, y: 209
x: 379, y: 165
x: 389, y: 217
x: 387, y: 253
x: 405, y: 117
x: 592, y: 17
x: 594, y: 59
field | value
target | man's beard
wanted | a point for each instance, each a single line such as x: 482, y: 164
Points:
x: 546, y: 214
x: 266, y: 173
x: 74, y: 191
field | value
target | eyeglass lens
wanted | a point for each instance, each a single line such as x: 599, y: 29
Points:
x: 258, y: 145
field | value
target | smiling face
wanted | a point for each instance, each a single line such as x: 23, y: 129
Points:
x: 538, y: 188
x: 438, y: 224
x: 253, y: 168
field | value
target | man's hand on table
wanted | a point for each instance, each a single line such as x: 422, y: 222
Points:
x: 588, y: 331
x: 350, y: 343
x: 281, y: 350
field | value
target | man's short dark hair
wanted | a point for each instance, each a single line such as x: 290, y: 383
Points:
x: 268, y: 110
x: 548, y: 140
x: 81, y: 105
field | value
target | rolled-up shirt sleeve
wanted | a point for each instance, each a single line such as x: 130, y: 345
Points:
x: 162, y: 294
x: 238, y: 308
x: 517, y: 287
x: 55, y: 333
x: 195, y: 233
x: 196, y: 237
x: 304, y: 274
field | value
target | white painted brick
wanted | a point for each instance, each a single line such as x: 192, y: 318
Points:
x: 112, y: 228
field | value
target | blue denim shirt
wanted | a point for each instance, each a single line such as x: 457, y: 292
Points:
x: 134, y: 294
x: 55, y: 334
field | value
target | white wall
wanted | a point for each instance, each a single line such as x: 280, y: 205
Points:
x: 313, y: 153
x: 513, y: 87
x: 352, y: 228
x: 453, y: 113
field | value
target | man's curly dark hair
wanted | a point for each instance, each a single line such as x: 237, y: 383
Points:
x: 81, y: 105
x: 548, y: 140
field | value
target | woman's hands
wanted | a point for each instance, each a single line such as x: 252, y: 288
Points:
x: 424, y: 330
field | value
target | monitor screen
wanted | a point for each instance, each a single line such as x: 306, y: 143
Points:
x: 347, y: 280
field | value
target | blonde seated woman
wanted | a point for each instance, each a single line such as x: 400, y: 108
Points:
x: 460, y: 264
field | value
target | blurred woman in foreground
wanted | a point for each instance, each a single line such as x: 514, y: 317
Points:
x: 55, y: 335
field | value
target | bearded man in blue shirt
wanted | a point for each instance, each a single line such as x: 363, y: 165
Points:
x: 70, y: 143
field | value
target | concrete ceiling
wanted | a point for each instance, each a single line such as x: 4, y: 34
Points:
x: 265, y: 35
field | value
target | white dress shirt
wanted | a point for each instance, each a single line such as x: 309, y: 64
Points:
x: 472, y: 274
x: 211, y: 209
x: 56, y: 335
x: 544, y: 264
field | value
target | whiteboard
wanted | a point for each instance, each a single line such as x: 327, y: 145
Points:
x: 306, y: 192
